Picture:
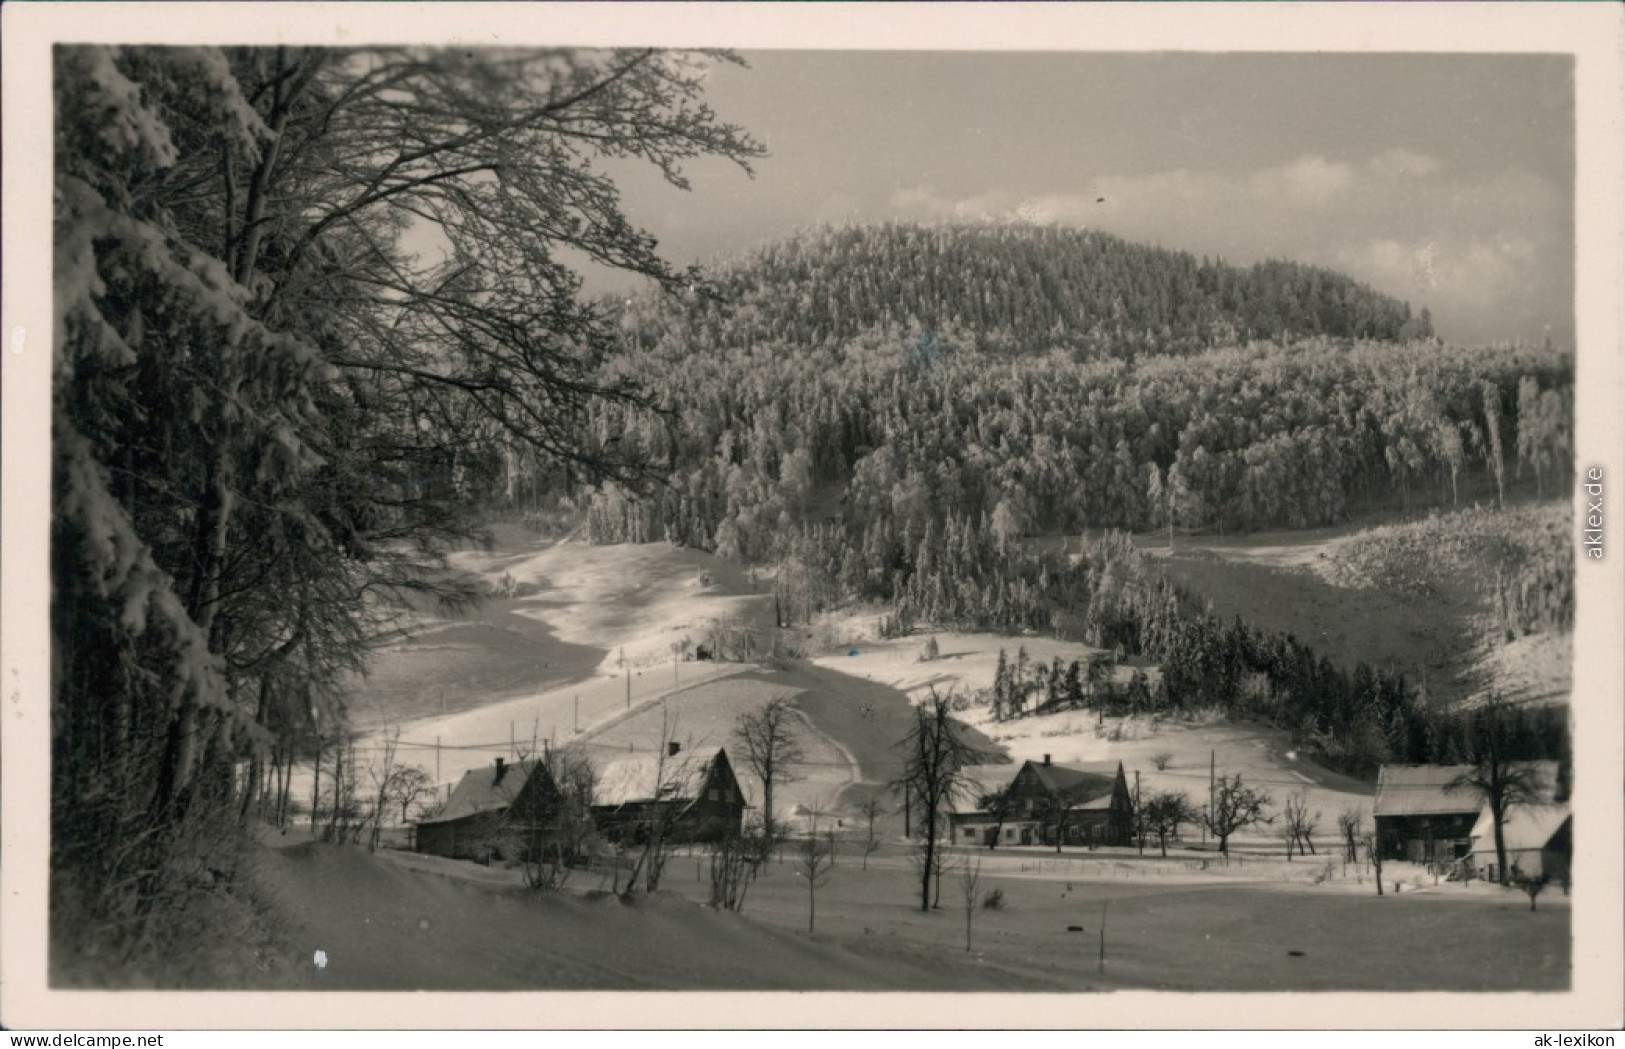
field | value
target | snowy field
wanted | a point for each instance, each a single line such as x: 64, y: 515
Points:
x: 966, y: 663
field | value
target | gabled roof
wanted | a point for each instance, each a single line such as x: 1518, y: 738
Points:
x: 1423, y: 790
x: 1524, y: 827
x: 642, y: 776
x: 1081, y: 781
x: 480, y: 790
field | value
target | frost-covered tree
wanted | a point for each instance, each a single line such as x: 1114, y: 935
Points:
x: 311, y: 304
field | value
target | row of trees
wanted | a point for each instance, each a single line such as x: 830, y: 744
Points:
x: 1020, y: 289
x: 1022, y: 687
x: 1103, y: 592
x: 1494, y: 777
x: 773, y: 436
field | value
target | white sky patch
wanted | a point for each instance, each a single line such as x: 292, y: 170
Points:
x: 1475, y: 250
x: 1310, y: 181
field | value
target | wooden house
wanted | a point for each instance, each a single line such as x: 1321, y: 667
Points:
x: 493, y: 813
x: 1418, y: 817
x: 684, y: 799
x: 1087, y: 804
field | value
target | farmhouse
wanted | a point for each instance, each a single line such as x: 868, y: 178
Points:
x: 683, y: 799
x: 1539, y: 842
x: 1418, y: 817
x: 491, y: 812
x: 1085, y: 804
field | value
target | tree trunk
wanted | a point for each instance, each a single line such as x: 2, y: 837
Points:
x: 930, y: 861
x: 254, y: 761
x: 1500, y: 842
x: 315, y: 786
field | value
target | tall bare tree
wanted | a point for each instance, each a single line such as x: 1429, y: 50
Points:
x: 1235, y: 806
x: 998, y: 804
x: 1165, y: 812
x: 408, y: 785
x: 813, y: 860
x: 1373, y: 852
x: 1298, y: 824
x: 870, y: 810
x: 769, y: 739
x: 970, y: 880
x: 1500, y: 782
x: 935, y: 759
x: 1349, y: 823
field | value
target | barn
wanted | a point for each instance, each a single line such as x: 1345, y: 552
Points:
x: 491, y: 812
x: 1539, y: 842
x: 1093, y: 798
x: 1420, y: 819
x: 689, y: 800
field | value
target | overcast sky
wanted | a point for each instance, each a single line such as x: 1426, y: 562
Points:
x: 1447, y: 180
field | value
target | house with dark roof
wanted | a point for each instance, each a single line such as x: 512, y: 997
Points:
x: 1049, y: 803
x: 1421, y: 818
x: 1418, y: 817
x: 1539, y: 841
x: 684, y: 799
x: 492, y: 812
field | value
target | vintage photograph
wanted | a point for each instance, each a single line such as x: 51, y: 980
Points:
x: 562, y: 518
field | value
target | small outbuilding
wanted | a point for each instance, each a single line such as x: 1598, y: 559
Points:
x: 492, y: 812
x: 1539, y: 842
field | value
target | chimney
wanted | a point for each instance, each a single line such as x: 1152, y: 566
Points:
x: 502, y: 770
x: 1046, y: 760
x: 672, y: 749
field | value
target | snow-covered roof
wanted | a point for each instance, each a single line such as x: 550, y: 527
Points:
x: 642, y: 775
x: 1423, y: 790
x: 1524, y: 827
x: 1084, y: 780
x: 487, y: 789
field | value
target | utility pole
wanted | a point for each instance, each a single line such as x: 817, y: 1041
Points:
x: 513, y: 746
x: 1212, y: 783
x: 1139, y: 814
x: 578, y: 716
x: 437, y: 760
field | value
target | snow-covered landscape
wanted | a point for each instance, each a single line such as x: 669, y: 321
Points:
x: 556, y: 518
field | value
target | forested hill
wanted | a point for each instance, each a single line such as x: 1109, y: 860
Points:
x: 1019, y: 289
x: 904, y: 464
